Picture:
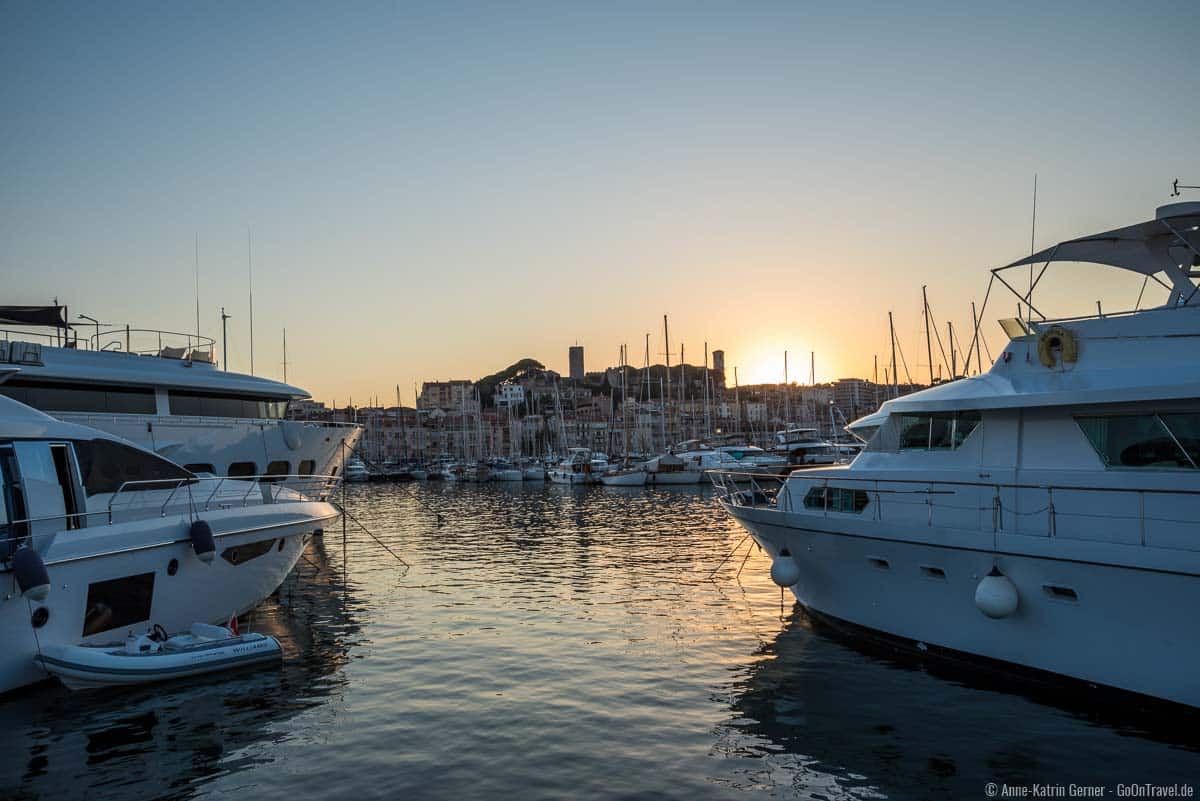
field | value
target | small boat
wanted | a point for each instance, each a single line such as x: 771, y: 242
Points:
x: 505, y: 471
x: 154, y: 656
x: 634, y: 477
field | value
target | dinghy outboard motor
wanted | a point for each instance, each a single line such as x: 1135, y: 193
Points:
x: 202, y: 541
x: 32, y: 577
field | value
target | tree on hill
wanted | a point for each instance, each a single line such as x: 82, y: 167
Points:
x: 487, y: 385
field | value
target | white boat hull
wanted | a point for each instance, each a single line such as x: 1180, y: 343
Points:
x: 1128, y: 628
x: 534, y: 474
x: 196, y: 592
x: 507, y: 475
x: 223, y: 441
x: 633, y: 478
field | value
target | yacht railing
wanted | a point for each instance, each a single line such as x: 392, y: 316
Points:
x: 138, y: 500
x: 122, y: 339
x: 1139, y: 516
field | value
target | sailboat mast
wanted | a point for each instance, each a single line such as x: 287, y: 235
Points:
x: 928, y: 341
x: 787, y: 396
x: 895, y: 380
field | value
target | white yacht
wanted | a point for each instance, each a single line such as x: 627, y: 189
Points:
x: 1045, y: 514
x: 164, y: 391
x: 576, y: 468
x: 356, y: 471
x: 100, y: 538
x: 803, y: 447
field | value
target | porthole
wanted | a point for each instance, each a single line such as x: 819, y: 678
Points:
x: 281, y: 542
x: 172, y: 567
x: 39, y: 618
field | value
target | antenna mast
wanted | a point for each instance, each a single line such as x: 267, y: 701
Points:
x: 285, y: 362
x: 197, y: 290
x: 224, y: 340
x: 928, y: 343
x: 250, y: 274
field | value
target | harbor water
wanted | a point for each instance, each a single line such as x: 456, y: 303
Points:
x: 549, y: 642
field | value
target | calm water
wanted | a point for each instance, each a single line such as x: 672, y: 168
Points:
x: 555, y: 642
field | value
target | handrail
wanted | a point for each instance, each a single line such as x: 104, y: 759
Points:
x: 991, y: 500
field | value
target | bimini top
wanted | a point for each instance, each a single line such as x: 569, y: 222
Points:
x: 1170, y: 244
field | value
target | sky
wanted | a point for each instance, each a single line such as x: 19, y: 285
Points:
x: 434, y: 191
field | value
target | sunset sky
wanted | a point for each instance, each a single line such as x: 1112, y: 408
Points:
x: 436, y: 190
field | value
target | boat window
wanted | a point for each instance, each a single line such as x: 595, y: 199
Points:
x: 200, y: 467
x: 205, y: 404
x: 307, y: 467
x: 837, y: 499
x: 243, y: 469
x: 1186, y: 428
x: 66, y: 482
x: 936, y: 431
x: 118, y: 603
x: 277, y: 470
x: 14, y: 503
x: 1143, y: 440
x: 106, y: 465
x: 54, y: 396
x: 238, y: 554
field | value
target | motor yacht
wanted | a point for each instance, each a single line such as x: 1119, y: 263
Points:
x: 164, y: 391
x: 804, y: 447
x: 1044, y: 515
x: 578, y: 467
x: 100, y: 537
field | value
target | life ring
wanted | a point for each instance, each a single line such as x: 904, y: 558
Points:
x: 1057, y: 337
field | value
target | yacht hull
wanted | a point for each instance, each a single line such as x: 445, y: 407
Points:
x: 155, y: 570
x: 222, y: 441
x: 1127, y: 628
x: 675, y: 477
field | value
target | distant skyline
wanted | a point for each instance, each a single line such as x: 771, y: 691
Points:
x: 437, y: 190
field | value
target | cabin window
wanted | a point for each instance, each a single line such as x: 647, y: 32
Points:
x: 278, y: 470
x: 307, y: 467
x: 118, y: 603
x: 204, y: 404
x: 1145, y: 440
x: 66, y: 482
x: 238, y: 554
x: 105, y: 466
x: 200, y: 467
x: 837, y: 499
x: 54, y: 396
x: 13, y: 501
x: 243, y: 470
x: 936, y: 431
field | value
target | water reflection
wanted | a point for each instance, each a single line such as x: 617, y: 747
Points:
x: 165, y: 740
x: 558, y: 642
x: 852, y: 718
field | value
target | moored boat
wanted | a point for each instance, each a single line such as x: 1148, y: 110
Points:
x: 154, y: 656
x: 1041, y: 515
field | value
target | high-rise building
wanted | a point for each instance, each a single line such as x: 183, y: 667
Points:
x: 718, y: 367
x: 576, y: 361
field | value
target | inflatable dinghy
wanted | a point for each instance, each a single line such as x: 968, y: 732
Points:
x: 154, y: 656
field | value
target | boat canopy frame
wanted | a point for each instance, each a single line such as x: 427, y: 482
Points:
x: 1147, y: 248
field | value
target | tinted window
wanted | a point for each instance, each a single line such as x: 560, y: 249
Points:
x: 937, y: 431
x: 200, y: 467
x: 238, y: 554
x: 1137, y: 440
x: 118, y: 603
x: 243, y: 469
x: 307, y: 467
x: 63, y: 397
x: 836, y: 499
x: 203, y: 404
x: 279, y: 469
x: 106, y: 465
